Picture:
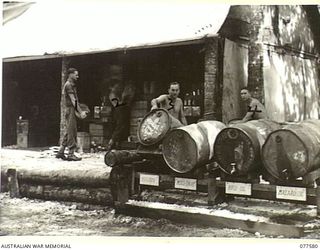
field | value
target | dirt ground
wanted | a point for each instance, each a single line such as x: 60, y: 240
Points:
x: 26, y: 217
x: 50, y: 218
x: 36, y: 217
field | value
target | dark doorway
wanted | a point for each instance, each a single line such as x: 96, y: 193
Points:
x: 31, y: 89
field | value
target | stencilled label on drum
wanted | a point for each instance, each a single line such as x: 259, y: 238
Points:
x: 291, y: 193
x: 185, y: 183
x: 238, y: 188
x: 149, y: 179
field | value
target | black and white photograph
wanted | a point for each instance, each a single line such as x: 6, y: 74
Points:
x: 159, y: 120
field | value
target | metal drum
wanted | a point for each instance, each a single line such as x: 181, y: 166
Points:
x: 190, y: 146
x: 293, y: 151
x: 155, y: 125
x: 237, y: 148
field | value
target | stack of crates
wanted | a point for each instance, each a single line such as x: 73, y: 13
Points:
x: 96, y: 133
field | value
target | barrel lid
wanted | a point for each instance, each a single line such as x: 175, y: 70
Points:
x: 235, y: 147
x: 154, y: 126
x: 180, y: 150
x: 284, y: 154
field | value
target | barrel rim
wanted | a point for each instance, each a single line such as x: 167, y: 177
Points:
x: 166, y: 138
x: 263, y: 148
x: 161, y: 137
x: 214, y: 146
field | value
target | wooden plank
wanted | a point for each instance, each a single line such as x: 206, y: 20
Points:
x: 174, y: 196
x: 234, y: 78
x: 212, y: 191
x: 259, y: 191
x: 266, y: 228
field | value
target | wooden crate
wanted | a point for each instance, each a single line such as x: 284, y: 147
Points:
x: 96, y: 129
x: 83, y: 141
x: 134, y: 125
x: 139, y: 109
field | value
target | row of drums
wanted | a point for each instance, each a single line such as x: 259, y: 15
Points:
x: 286, y: 151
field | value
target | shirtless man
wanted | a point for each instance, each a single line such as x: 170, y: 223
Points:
x: 255, y: 110
x: 171, y: 102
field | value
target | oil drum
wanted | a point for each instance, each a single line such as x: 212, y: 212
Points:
x: 293, y: 151
x: 237, y: 148
x: 155, y: 125
x: 187, y: 147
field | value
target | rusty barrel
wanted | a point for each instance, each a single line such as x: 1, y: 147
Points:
x: 293, y: 151
x: 237, y: 148
x: 155, y: 125
x: 187, y: 147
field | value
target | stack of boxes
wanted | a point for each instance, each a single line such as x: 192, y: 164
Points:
x: 96, y: 132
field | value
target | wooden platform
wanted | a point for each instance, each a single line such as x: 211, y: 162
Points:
x: 208, y: 192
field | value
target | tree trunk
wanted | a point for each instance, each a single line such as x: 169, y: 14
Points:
x: 94, y: 177
x: 64, y: 75
x: 118, y: 157
x: 100, y: 196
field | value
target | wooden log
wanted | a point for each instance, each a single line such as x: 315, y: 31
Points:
x: 293, y: 151
x: 100, y: 196
x: 93, y: 177
x: 119, y: 157
x: 190, y: 146
x: 120, y: 184
x: 4, y: 182
x: 13, y: 184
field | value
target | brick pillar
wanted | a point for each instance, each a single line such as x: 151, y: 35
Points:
x: 64, y: 75
x: 212, y: 105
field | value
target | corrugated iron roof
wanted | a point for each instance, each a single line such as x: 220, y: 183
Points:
x: 73, y: 27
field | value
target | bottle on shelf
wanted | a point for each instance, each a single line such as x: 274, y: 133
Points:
x: 193, y: 99
x: 187, y: 105
x: 186, y: 100
x: 196, y: 112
